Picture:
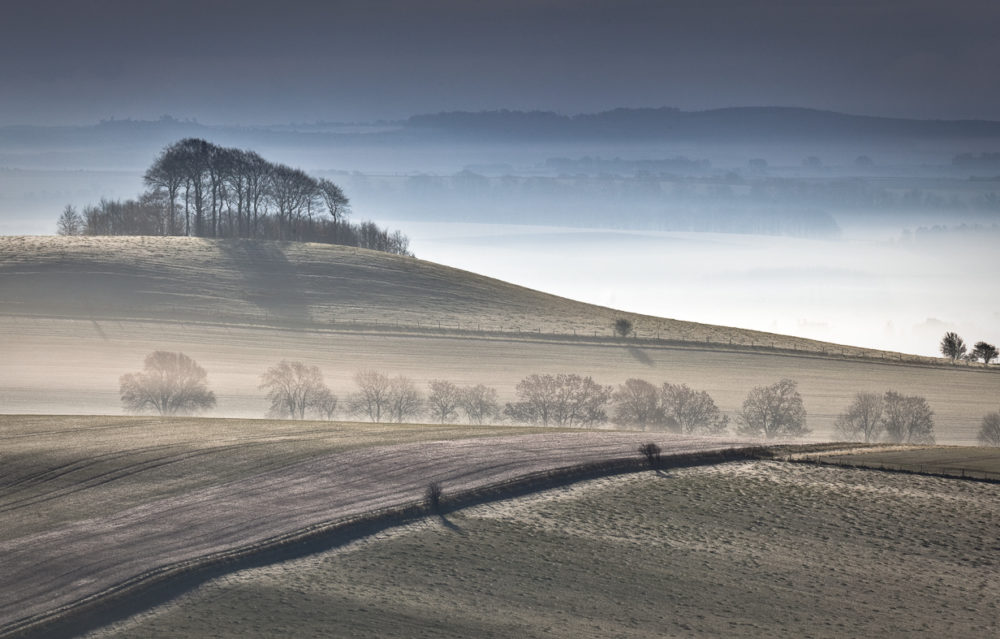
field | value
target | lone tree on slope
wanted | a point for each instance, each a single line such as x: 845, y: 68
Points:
x: 773, y: 411
x: 952, y: 346
x: 623, y: 327
x: 984, y: 351
x: 170, y: 384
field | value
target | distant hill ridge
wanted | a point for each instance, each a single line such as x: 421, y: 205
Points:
x: 303, y: 286
x: 671, y: 123
x: 664, y: 123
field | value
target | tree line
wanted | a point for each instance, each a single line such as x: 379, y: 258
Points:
x: 953, y: 347
x: 174, y: 384
x: 196, y: 188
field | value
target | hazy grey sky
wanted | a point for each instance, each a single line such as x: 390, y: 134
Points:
x: 77, y: 61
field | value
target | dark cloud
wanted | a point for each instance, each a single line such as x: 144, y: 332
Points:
x: 246, y: 61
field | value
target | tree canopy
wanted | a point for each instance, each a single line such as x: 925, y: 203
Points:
x: 200, y: 189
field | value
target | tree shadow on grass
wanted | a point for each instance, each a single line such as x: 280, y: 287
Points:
x: 450, y: 525
x: 641, y: 356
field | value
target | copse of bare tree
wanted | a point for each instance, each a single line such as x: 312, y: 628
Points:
x: 689, y: 411
x: 560, y: 400
x: 773, y: 411
x: 294, y: 388
x: 479, y: 403
x: 908, y: 419
x: 196, y: 188
x: 989, y: 431
x: 170, y: 384
x: 637, y: 403
x: 863, y: 419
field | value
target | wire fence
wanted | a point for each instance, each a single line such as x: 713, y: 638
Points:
x: 652, y: 337
x: 930, y: 469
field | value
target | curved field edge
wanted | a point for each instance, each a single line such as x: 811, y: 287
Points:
x: 747, y: 548
x: 167, y: 582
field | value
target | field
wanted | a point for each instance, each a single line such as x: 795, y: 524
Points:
x: 952, y: 461
x: 99, y: 510
x: 90, y: 504
x: 751, y: 549
x: 77, y: 313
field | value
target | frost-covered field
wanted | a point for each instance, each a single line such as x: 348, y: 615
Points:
x: 754, y: 549
x: 88, y: 505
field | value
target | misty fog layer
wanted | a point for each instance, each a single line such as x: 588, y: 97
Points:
x: 863, y: 231
x: 878, y: 291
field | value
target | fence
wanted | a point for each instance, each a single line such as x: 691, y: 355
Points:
x: 929, y: 469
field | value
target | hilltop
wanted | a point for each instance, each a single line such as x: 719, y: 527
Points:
x: 309, y: 286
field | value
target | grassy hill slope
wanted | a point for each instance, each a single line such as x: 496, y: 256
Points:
x: 298, y: 285
x: 77, y: 313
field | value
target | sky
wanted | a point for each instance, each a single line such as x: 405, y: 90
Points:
x: 254, y: 62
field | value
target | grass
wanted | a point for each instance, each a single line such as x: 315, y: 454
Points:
x: 77, y: 313
x: 298, y: 285
x: 100, y: 509
x: 60, y: 469
x: 953, y: 461
x: 755, y: 549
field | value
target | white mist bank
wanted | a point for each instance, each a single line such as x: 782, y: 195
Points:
x: 871, y: 292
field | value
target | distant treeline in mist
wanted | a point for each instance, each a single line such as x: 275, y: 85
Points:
x: 199, y: 189
x: 669, y: 123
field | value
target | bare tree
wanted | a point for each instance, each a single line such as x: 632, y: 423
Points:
x: 652, y: 454
x: 443, y: 400
x: 70, y: 222
x: 773, y: 411
x: 405, y: 402
x: 984, y: 351
x: 637, y: 403
x: 372, y: 398
x: 908, y: 419
x: 952, y: 346
x: 337, y: 204
x: 863, y: 418
x: 170, y: 384
x: 168, y: 174
x: 294, y: 388
x: 479, y: 403
x: 325, y: 404
x: 560, y: 400
x: 692, y: 411
x: 433, y: 495
x: 989, y: 432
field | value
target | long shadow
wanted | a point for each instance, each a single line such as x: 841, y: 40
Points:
x: 641, y: 356
x: 270, y: 280
x: 450, y: 525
